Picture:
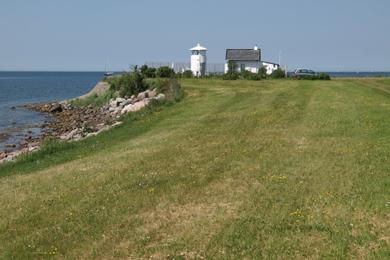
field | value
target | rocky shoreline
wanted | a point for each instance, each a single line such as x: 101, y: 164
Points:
x: 71, y: 122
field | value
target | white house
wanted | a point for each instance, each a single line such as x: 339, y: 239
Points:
x: 244, y: 59
x: 270, y: 66
x: 248, y: 59
x: 198, y: 60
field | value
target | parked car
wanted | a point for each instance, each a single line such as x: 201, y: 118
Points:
x: 302, y: 73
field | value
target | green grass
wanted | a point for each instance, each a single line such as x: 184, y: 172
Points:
x: 94, y: 100
x: 271, y: 169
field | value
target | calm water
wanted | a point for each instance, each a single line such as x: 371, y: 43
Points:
x: 19, y: 88
x: 359, y: 74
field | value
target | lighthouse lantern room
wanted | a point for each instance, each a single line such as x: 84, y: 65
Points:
x: 198, y: 60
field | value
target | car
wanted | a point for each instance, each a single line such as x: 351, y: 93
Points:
x: 302, y: 73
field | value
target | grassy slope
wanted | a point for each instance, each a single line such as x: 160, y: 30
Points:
x: 257, y: 169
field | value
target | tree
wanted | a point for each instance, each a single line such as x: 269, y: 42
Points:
x: 232, y: 73
x: 165, y: 72
x: 148, y: 72
x: 263, y: 72
x: 278, y: 74
x: 232, y: 67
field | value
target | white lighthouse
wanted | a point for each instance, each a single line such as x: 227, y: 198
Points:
x: 198, y: 60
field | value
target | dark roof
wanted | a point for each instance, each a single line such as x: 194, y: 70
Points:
x: 243, y: 54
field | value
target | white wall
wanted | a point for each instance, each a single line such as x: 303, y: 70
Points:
x: 270, y: 67
x: 197, y: 62
x: 252, y: 66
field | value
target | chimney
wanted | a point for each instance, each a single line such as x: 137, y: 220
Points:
x: 256, y: 48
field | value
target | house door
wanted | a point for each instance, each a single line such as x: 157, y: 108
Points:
x: 242, y: 67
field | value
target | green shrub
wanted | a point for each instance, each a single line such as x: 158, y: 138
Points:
x: 232, y: 73
x: 278, y: 74
x: 213, y: 76
x: 323, y: 76
x: 231, y: 76
x: 129, y: 83
x: 262, y: 73
x: 165, y: 72
x: 169, y: 87
x: 187, y: 74
x: 250, y: 76
x: 148, y: 72
x: 232, y: 67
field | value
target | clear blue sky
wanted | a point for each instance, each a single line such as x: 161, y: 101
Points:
x: 85, y: 34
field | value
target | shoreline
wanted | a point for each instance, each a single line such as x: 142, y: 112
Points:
x: 72, y: 123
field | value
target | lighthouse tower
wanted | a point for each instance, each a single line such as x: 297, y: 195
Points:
x: 198, y: 60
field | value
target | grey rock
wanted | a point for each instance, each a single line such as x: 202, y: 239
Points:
x: 55, y: 108
x: 3, y: 155
x: 160, y: 96
x: 135, y: 107
x: 153, y: 93
x: 70, y: 135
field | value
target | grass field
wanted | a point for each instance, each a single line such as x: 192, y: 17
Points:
x: 242, y: 169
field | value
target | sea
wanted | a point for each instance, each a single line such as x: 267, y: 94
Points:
x: 20, y: 88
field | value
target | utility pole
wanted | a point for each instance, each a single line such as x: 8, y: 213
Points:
x: 285, y: 70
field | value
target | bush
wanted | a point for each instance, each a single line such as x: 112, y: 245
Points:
x: 262, y: 73
x: 232, y: 73
x: 165, y: 72
x: 170, y: 87
x: 187, y: 74
x: 278, y: 74
x: 231, y: 76
x: 250, y: 76
x: 232, y: 67
x: 323, y: 76
x: 213, y: 76
x: 148, y: 72
x: 129, y: 83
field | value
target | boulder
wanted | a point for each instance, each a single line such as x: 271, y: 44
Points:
x: 33, y: 148
x: 119, y: 101
x: 55, y: 108
x: 70, y: 135
x: 143, y: 95
x: 112, y: 103
x: 160, y: 97
x: 126, y: 102
x: 153, y: 93
x: 135, y: 107
x: 2, y: 155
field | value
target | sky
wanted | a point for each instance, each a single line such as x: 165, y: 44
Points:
x: 88, y: 35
